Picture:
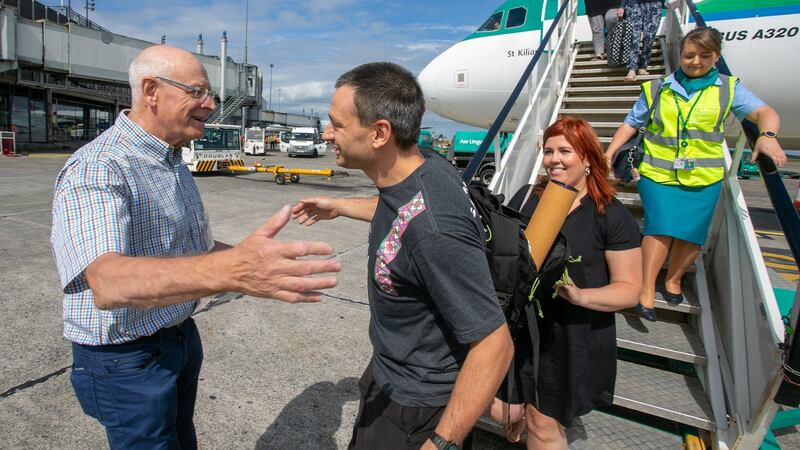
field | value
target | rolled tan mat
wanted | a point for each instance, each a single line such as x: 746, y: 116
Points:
x: 548, y: 218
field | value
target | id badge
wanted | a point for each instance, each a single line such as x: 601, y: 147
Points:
x: 679, y: 163
x: 690, y: 164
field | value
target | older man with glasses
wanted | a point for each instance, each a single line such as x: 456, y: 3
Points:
x: 134, y: 252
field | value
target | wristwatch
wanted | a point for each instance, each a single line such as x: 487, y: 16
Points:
x: 769, y: 134
x: 442, y: 443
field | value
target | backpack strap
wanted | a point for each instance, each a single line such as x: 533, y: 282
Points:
x: 516, y: 204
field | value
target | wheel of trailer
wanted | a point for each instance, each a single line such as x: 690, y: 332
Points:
x: 280, y: 178
x: 486, y: 175
x: 294, y: 178
x: 315, y: 154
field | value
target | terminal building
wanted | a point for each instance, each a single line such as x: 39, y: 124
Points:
x: 64, y: 78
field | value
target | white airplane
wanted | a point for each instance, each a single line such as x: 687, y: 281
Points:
x: 470, y: 81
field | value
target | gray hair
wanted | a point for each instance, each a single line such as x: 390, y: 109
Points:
x: 387, y: 91
x: 146, y: 64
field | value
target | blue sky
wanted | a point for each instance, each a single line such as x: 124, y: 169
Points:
x: 311, y: 42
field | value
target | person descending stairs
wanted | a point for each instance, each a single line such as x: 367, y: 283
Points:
x: 657, y: 361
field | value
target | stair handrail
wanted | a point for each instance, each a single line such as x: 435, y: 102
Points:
x: 750, y: 389
x: 476, y: 160
x: 789, y: 220
x: 226, y: 108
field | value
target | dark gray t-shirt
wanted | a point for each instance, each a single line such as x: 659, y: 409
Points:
x: 430, y: 290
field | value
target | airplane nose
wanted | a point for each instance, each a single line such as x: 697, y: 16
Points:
x: 427, y: 80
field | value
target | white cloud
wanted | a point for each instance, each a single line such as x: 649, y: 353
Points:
x: 309, y: 43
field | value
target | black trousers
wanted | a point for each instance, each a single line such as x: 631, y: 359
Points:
x: 383, y: 424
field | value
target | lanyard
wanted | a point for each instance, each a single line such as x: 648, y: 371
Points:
x: 684, y: 133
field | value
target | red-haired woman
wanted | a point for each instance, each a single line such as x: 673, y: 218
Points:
x: 577, y: 361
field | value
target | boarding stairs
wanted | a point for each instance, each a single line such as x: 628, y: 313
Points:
x: 707, y: 368
x: 228, y: 107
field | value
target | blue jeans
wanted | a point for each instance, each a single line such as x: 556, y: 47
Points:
x: 143, y: 392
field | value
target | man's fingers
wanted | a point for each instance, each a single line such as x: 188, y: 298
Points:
x: 307, y: 267
x: 299, y: 249
x: 298, y: 297
x: 305, y: 284
x: 275, y: 223
x: 306, y: 218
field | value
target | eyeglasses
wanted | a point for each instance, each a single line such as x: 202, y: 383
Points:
x: 197, y: 93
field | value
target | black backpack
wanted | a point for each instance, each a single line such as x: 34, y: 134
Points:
x: 520, y: 289
x: 510, y: 263
x: 517, y: 282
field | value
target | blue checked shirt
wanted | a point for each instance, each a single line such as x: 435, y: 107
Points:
x: 126, y: 192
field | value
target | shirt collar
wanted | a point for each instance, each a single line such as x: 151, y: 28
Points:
x: 151, y: 145
x: 678, y: 89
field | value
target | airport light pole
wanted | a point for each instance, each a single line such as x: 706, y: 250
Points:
x: 89, y: 6
x: 246, y: 14
x: 270, y: 86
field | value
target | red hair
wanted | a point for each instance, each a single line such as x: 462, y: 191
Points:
x: 583, y: 139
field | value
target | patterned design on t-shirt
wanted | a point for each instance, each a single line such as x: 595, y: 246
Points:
x: 390, y: 247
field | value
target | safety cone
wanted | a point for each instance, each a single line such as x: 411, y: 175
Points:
x: 797, y: 198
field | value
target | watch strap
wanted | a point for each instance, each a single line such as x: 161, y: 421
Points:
x: 442, y: 443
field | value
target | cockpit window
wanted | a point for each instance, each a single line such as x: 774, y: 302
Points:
x: 516, y: 17
x: 493, y: 22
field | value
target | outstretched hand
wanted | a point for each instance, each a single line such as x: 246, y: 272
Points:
x: 265, y: 267
x: 309, y: 211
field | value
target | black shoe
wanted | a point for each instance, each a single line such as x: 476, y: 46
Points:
x: 672, y: 299
x: 646, y: 313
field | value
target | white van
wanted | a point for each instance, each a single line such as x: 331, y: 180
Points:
x: 306, y: 141
x: 254, y: 141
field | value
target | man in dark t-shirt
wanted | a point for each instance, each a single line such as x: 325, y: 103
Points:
x: 441, y: 346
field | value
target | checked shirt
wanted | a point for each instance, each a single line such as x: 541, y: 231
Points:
x: 126, y: 192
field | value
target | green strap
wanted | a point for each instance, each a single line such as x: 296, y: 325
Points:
x: 683, y: 133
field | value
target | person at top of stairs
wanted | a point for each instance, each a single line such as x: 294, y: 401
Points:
x: 644, y: 17
x: 683, y: 165
x: 602, y: 14
x: 577, y: 360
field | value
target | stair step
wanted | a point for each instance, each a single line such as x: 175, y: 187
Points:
x: 604, y: 139
x: 596, y: 111
x: 602, y: 100
x: 668, y: 395
x: 604, y: 63
x: 628, y: 88
x: 678, y: 341
x: 600, y: 431
x: 612, y: 125
x: 623, y: 70
x: 584, y: 55
x: 617, y: 79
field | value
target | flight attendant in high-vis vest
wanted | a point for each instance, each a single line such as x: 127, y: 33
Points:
x: 683, y: 163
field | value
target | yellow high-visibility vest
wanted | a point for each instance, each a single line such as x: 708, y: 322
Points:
x: 704, y: 135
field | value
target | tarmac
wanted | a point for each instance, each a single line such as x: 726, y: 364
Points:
x: 275, y: 375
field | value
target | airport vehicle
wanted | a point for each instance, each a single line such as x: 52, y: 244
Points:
x: 747, y: 168
x: 425, y: 140
x: 306, y: 141
x: 713, y: 366
x: 219, y: 147
x: 282, y: 174
x: 466, y: 143
x: 254, y: 141
x: 283, y: 141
